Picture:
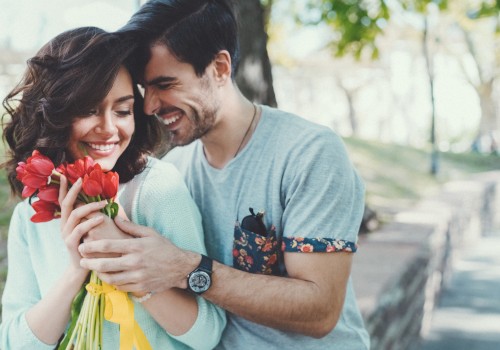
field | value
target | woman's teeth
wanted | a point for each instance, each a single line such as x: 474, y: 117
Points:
x: 106, y: 147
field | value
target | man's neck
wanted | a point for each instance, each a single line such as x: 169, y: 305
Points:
x: 231, y: 133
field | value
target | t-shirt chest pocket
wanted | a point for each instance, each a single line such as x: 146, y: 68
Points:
x: 255, y: 249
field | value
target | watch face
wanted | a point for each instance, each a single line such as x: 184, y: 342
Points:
x: 199, y: 281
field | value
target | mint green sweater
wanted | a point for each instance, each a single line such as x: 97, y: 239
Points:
x: 37, y: 256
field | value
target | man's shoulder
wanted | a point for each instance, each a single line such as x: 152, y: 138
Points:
x: 294, y: 127
x: 296, y: 134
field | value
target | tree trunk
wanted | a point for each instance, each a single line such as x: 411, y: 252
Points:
x: 485, y: 138
x: 254, y: 76
x: 430, y: 72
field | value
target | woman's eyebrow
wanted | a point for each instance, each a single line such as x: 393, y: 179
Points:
x: 124, y: 98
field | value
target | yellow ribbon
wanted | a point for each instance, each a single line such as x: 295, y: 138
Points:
x: 118, y: 308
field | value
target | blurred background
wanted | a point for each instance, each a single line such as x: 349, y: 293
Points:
x: 411, y: 85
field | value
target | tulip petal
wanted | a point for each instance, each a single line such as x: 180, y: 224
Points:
x: 28, y: 191
x: 49, y: 194
x: 91, y: 187
x: 42, y: 216
x: 34, y: 181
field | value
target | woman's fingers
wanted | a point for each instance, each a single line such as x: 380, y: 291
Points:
x: 67, y: 198
x: 78, y: 214
x: 63, y: 188
x: 80, y: 230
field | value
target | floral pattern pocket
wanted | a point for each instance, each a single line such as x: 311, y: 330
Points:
x: 256, y: 253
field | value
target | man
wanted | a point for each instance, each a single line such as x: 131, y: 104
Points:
x: 286, y: 284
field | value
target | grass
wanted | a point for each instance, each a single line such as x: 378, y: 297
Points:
x: 395, y: 177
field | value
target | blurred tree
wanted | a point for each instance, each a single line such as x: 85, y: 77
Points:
x: 254, y: 75
x: 356, y: 25
x: 487, y: 72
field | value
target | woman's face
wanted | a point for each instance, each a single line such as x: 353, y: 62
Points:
x: 105, y: 132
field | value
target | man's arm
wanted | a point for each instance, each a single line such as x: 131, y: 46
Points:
x: 309, y: 301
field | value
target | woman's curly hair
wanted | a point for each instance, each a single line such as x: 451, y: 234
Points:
x: 69, y: 76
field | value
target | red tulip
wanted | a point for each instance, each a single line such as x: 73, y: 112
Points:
x: 40, y: 165
x: 35, y: 172
x: 91, y: 187
x: 110, y: 182
x: 45, y: 211
x: 20, y: 170
x: 79, y: 168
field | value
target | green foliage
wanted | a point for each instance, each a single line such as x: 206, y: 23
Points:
x: 486, y: 9
x: 421, y: 5
x: 357, y: 23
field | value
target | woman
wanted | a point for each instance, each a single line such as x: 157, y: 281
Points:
x: 75, y: 99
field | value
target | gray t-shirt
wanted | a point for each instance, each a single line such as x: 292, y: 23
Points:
x: 299, y: 174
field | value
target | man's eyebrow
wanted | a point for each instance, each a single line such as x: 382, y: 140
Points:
x: 160, y: 80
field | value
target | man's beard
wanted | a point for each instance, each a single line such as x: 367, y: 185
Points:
x: 201, y: 126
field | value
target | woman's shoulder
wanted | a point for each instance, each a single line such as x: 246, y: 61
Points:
x: 162, y: 170
x: 159, y: 178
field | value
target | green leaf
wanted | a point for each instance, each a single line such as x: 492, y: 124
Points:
x: 113, y: 210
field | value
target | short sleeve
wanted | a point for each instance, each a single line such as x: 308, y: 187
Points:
x: 323, y: 197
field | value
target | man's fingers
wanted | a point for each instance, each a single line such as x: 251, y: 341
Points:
x: 122, y: 280
x: 133, y: 229
x: 103, y: 265
x: 106, y: 246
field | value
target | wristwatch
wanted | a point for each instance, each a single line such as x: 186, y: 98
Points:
x: 201, y: 278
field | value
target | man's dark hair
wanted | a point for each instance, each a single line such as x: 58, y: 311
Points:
x: 194, y: 31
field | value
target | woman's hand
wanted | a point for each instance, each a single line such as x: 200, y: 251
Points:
x: 73, y: 227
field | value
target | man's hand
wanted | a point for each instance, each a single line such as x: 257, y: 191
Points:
x: 147, y: 263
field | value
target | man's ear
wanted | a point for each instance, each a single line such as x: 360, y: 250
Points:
x: 222, y: 66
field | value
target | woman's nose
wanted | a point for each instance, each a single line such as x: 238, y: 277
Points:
x: 106, y: 124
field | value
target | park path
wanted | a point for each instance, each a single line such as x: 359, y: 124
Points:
x: 468, y: 314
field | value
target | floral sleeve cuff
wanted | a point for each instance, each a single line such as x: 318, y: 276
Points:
x: 317, y: 245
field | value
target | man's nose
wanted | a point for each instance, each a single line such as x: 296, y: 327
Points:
x: 151, y: 102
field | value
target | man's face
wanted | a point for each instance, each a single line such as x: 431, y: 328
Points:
x: 185, y: 102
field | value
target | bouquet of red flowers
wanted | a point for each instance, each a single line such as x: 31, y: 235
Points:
x: 41, y: 179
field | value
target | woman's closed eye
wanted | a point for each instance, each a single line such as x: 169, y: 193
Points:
x: 124, y: 112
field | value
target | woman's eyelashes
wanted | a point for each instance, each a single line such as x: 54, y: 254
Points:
x: 120, y: 112
x: 124, y: 113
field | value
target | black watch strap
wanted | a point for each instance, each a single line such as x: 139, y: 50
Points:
x: 200, y: 280
x: 205, y: 264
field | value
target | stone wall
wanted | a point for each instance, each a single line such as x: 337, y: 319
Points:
x: 400, y: 269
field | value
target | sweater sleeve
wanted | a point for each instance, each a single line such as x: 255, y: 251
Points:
x: 164, y: 203
x: 21, y: 289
